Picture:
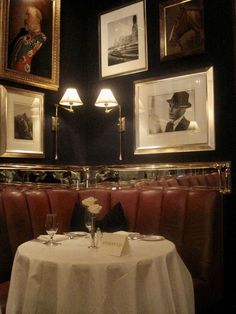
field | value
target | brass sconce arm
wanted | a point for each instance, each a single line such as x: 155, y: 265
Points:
x: 54, y: 128
x: 122, y: 128
x: 69, y: 100
x: 107, y: 100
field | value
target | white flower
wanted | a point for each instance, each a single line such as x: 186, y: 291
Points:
x: 90, y: 203
x: 95, y: 208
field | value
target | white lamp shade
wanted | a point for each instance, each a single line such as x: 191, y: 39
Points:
x: 71, y: 98
x: 106, y: 99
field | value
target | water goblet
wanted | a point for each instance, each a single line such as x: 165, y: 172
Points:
x: 51, y: 226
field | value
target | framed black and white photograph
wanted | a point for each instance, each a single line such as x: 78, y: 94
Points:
x: 30, y: 42
x: 175, y: 114
x: 22, y: 123
x: 123, y: 40
x: 181, y: 28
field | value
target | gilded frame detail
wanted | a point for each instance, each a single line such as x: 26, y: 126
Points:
x: 40, y: 66
x: 181, y: 28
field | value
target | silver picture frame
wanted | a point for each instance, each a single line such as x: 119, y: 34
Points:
x: 152, y: 100
x: 123, y: 40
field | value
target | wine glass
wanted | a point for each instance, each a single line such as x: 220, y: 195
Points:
x: 51, y: 226
x: 88, y: 220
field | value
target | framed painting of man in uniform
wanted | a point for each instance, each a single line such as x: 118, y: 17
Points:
x: 181, y: 28
x: 30, y: 37
x: 22, y: 123
x: 123, y: 40
x: 175, y: 114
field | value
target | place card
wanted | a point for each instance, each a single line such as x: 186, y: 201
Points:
x: 115, y: 244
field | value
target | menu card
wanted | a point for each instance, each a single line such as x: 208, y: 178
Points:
x: 115, y: 244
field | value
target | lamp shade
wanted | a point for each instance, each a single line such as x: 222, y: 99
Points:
x: 71, y: 98
x: 106, y: 99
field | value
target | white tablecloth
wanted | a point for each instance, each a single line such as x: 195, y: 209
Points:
x: 72, y: 278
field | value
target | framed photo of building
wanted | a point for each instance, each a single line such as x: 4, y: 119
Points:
x: 175, y: 114
x: 123, y: 40
x: 22, y: 123
x: 181, y: 28
x: 30, y: 42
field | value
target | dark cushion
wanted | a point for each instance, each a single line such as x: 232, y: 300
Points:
x: 114, y: 220
x: 77, y: 218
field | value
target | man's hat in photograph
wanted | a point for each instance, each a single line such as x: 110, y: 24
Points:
x: 180, y: 99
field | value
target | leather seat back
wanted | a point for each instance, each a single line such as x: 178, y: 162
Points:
x: 17, y: 218
x: 173, y: 215
x: 62, y: 202
x: 149, y: 211
x: 38, y: 204
x: 202, y: 245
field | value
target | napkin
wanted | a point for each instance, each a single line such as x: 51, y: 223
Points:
x: 57, y: 237
x: 130, y: 235
x: 122, y: 232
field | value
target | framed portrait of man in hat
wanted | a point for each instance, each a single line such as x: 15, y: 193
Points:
x: 178, y: 104
x: 175, y: 114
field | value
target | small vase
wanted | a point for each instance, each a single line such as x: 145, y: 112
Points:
x: 92, y: 232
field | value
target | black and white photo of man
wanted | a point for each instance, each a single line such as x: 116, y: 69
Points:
x: 178, y: 104
x: 178, y: 116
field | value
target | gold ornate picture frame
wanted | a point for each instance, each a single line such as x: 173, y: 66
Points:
x: 26, y: 58
x: 123, y: 40
x: 22, y: 123
x: 181, y: 28
x: 194, y: 130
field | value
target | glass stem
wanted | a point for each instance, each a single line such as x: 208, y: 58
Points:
x: 93, y: 231
x: 51, y: 238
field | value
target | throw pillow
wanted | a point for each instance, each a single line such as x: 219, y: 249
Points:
x: 114, y: 220
x: 77, y: 218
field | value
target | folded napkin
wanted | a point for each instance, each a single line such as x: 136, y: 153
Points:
x: 57, y: 237
x: 122, y: 232
x: 131, y: 236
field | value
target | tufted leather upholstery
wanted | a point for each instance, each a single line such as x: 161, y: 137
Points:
x: 190, y: 217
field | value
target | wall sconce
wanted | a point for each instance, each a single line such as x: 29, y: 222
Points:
x: 107, y: 100
x: 69, y: 100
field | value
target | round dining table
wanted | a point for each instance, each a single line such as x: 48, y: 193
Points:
x: 72, y: 278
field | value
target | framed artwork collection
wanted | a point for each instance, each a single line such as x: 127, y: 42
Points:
x: 186, y: 98
x: 30, y: 42
x: 32, y: 58
x: 22, y: 123
x: 123, y: 40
